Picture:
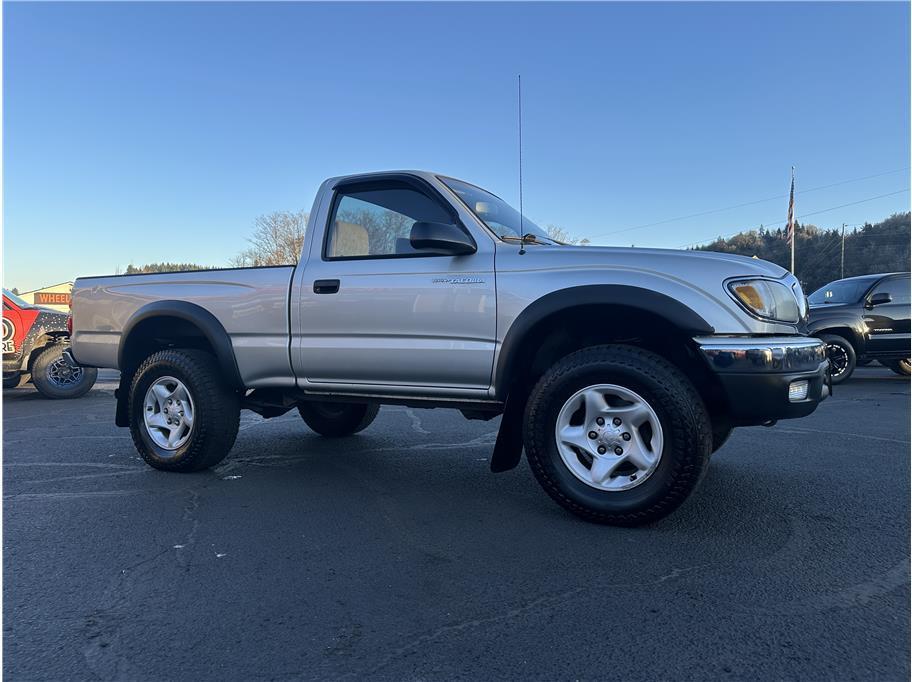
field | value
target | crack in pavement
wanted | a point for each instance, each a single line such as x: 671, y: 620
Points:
x: 416, y: 422
x: 540, y: 603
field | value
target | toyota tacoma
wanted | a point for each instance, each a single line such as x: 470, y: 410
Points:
x: 617, y: 370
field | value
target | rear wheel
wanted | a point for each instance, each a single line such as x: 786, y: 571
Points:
x: 56, y: 378
x: 902, y: 367
x: 11, y: 379
x: 617, y: 435
x: 183, y: 416
x: 842, y: 357
x: 338, y: 419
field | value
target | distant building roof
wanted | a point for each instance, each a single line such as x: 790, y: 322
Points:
x: 49, y: 286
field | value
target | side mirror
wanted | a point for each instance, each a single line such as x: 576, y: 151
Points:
x: 880, y: 299
x: 444, y: 238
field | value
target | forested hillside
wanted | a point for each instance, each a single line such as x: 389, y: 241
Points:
x: 882, y: 247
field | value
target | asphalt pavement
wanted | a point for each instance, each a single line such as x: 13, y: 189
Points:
x: 395, y: 554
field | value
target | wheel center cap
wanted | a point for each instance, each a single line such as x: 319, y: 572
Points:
x: 609, y: 436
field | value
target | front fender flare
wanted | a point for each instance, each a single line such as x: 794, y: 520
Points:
x: 834, y: 325
x: 653, y: 302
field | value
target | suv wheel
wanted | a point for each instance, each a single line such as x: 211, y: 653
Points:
x: 842, y: 357
x: 56, y: 378
x: 901, y: 367
x: 617, y: 435
x: 11, y: 379
x: 338, y: 419
x: 183, y: 417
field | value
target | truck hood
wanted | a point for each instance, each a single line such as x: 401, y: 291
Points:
x: 687, y: 264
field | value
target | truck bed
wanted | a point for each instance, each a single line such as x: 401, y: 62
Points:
x: 250, y: 303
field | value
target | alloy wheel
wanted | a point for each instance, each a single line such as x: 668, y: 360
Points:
x: 839, y: 359
x: 64, y: 375
x: 609, y: 437
x: 168, y: 413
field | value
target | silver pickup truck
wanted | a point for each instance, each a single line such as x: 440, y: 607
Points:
x: 617, y: 370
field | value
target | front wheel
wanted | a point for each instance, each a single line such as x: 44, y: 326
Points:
x: 617, y: 435
x: 901, y: 367
x: 183, y: 416
x: 56, y: 378
x: 338, y: 419
x: 842, y: 357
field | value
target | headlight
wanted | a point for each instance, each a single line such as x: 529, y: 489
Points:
x: 802, y: 300
x: 766, y: 298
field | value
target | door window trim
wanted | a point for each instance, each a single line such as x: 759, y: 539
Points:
x: 397, y: 181
x: 886, y: 281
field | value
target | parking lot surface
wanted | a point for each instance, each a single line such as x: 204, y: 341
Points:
x: 395, y: 554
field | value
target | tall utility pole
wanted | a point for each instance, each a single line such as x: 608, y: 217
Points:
x: 842, y: 256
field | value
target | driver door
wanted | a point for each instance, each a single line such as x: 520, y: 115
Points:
x: 888, y: 323
x: 378, y: 315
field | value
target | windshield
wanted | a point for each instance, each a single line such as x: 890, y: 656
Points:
x: 501, y: 218
x: 843, y: 291
x: 15, y: 299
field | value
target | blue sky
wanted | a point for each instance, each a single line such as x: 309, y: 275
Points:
x: 149, y: 132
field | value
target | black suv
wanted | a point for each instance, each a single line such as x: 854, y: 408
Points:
x: 862, y: 319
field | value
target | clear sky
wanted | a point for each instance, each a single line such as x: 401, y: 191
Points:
x: 150, y: 132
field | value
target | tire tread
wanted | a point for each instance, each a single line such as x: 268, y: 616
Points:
x: 217, y: 427
x: 693, y: 432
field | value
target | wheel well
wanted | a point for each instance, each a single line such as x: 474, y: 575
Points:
x: 157, y: 333
x: 845, y: 332
x: 569, y: 330
x: 41, y: 342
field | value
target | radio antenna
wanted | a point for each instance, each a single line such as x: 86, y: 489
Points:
x: 522, y: 242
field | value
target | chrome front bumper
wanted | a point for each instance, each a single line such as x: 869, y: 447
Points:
x: 753, y: 354
x: 756, y: 375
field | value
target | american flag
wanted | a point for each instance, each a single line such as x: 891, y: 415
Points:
x: 790, y: 229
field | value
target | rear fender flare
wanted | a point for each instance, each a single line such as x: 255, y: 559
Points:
x: 199, y: 317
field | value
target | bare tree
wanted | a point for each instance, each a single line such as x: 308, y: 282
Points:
x: 561, y: 235
x: 277, y: 240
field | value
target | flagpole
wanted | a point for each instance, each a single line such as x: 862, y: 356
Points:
x: 792, y: 220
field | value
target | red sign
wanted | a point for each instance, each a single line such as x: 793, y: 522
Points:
x: 51, y: 298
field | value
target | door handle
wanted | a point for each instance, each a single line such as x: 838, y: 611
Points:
x: 326, y: 286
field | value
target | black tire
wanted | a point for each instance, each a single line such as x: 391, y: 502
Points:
x: 216, y: 410
x: 680, y: 411
x: 335, y: 420
x: 11, y: 379
x: 842, y: 357
x: 56, y: 379
x: 901, y: 367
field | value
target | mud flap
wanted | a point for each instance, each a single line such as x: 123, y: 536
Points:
x: 122, y: 393
x: 509, y: 445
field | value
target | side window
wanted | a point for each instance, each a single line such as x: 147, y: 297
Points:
x: 897, y: 287
x: 376, y: 223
